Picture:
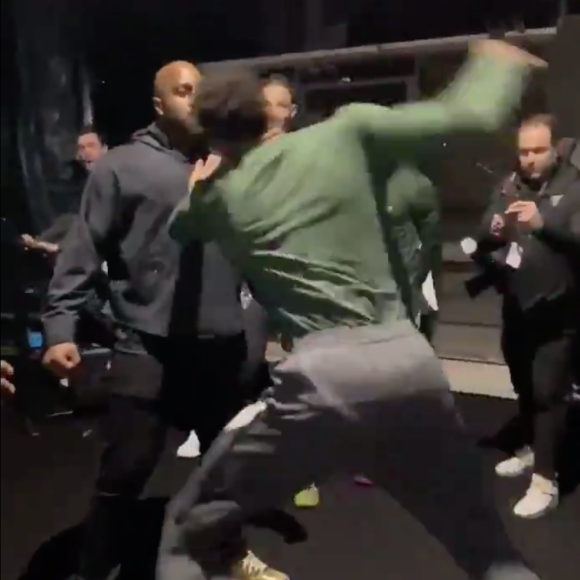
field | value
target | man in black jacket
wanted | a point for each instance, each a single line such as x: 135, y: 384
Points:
x: 532, y: 225
x: 91, y: 146
x: 180, y: 345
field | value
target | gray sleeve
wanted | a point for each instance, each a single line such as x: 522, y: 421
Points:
x: 81, y: 256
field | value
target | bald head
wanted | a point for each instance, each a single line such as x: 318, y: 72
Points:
x: 173, y: 74
x: 173, y: 91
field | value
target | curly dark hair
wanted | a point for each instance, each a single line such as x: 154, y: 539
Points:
x: 90, y: 129
x: 229, y: 105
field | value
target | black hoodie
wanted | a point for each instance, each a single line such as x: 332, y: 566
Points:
x: 156, y: 286
x: 549, y: 264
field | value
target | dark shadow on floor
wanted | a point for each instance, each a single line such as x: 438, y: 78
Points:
x: 354, y: 534
x: 282, y: 523
x: 140, y: 554
x: 55, y: 559
x: 570, y: 457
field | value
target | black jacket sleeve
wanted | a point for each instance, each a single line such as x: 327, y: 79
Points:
x: 564, y: 240
x: 81, y: 256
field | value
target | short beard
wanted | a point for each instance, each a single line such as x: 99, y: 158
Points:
x: 547, y: 169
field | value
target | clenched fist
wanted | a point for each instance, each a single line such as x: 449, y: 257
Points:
x: 62, y: 358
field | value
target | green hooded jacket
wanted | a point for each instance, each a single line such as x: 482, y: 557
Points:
x: 413, y: 235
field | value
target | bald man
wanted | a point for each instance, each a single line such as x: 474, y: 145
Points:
x: 180, y: 344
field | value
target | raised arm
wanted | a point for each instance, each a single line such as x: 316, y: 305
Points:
x: 81, y: 256
x: 479, y: 100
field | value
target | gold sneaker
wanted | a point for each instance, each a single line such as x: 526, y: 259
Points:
x: 252, y: 568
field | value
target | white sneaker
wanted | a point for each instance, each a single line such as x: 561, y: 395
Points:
x: 515, y: 571
x: 517, y: 465
x: 189, y: 449
x: 541, y: 497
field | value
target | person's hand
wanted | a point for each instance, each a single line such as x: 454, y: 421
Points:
x: 196, y: 173
x: 497, y: 225
x: 526, y: 213
x: 204, y: 169
x: 28, y: 241
x: 62, y: 358
x: 33, y: 244
x: 47, y: 247
x: 507, y: 52
x: 7, y: 373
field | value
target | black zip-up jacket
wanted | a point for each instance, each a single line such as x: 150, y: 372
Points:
x: 551, y: 255
x: 156, y: 287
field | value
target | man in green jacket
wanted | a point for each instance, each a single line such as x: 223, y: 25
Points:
x: 362, y: 391
x: 412, y: 230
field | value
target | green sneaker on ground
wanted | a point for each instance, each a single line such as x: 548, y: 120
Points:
x: 307, y: 498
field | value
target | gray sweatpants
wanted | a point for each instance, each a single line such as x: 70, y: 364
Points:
x: 370, y: 400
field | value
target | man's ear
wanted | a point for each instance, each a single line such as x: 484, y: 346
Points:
x: 293, y: 111
x: 158, y: 106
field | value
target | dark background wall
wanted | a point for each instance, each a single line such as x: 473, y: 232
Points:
x: 10, y: 178
x: 47, y: 43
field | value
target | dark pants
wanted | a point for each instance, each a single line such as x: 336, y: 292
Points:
x: 370, y: 400
x: 428, y: 324
x: 189, y: 385
x: 255, y: 369
x: 538, y: 348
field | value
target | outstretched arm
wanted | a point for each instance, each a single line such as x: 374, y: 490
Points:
x: 187, y: 220
x: 480, y: 100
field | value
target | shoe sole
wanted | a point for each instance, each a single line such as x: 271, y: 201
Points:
x: 539, y: 514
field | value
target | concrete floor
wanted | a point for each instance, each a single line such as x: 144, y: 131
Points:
x: 357, y: 533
